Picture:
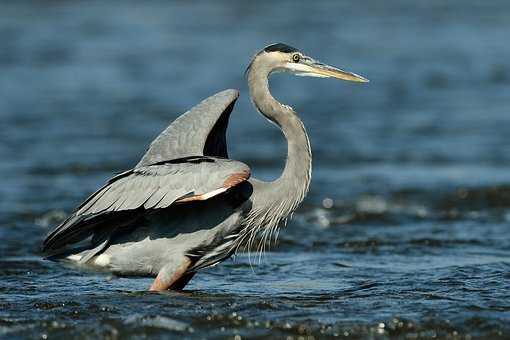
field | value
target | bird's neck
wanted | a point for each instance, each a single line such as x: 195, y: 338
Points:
x: 291, y: 187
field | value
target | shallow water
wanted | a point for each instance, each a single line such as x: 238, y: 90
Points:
x: 405, y: 230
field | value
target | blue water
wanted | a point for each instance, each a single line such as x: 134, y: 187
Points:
x: 405, y: 232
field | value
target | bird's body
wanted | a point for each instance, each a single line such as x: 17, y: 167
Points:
x: 186, y: 206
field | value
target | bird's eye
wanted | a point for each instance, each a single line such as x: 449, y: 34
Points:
x: 296, y: 57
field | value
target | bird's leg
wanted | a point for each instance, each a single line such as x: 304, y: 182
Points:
x: 182, y: 281
x: 172, y: 277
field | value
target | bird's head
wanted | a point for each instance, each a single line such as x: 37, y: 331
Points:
x: 283, y: 58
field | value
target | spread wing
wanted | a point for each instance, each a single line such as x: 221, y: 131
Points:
x: 200, y: 131
x: 145, y: 189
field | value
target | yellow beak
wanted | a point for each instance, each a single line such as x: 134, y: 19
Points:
x: 312, y: 68
x: 330, y: 71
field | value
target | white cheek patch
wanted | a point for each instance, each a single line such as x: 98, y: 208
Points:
x: 303, y: 70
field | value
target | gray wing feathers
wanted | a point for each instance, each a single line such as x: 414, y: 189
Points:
x: 158, y: 186
x: 130, y: 194
x: 174, y: 167
x: 200, y: 131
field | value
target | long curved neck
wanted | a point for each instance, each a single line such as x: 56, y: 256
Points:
x: 292, y: 185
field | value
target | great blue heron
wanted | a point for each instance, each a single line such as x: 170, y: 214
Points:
x: 185, y: 206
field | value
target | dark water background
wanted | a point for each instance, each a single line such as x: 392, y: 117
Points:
x: 416, y: 164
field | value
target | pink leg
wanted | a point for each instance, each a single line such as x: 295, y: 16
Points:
x: 174, y: 280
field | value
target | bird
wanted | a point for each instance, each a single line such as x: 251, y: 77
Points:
x: 186, y: 205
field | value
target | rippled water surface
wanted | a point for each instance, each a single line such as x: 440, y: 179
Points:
x: 405, y: 232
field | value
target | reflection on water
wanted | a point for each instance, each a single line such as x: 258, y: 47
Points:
x: 404, y: 232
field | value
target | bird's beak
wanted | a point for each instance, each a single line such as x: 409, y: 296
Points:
x: 312, y: 68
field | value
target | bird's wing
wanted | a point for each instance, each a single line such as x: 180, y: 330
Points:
x: 200, y: 131
x: 145, y: 189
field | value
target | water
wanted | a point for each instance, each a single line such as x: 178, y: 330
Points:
x: 404, y: 233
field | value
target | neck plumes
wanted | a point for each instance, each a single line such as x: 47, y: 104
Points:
x: 285, y: 193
